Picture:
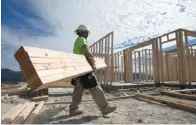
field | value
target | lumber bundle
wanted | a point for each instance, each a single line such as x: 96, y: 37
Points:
x: 44, y: 68
x: 22, y: 113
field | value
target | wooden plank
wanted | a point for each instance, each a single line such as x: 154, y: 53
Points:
x: 42, y: 53
x: 11, y: 116
x: 40, y: 98
x: 184, y: 90
x: 65, y: 60
x: 7, y: 114
x: 24, y: 114
x: 35, y: 112
x: 143, y: 44
x: 184, y: 96
x: 175, y: 104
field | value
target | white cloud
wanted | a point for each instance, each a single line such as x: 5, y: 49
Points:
x: 127, y: 18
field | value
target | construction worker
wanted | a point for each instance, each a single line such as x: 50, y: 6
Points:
x: 89, y: 80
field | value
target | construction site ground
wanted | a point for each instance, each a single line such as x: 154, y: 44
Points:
x: 128, y: 110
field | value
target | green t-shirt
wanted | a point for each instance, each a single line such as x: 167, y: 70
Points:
x: 80, y: 41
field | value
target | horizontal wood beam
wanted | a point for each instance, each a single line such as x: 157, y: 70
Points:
x: 184, y: 96
x: 174, y: 104
x: 184, y: 90
x: 190, y: 33
x: 143, y: 44
x: 168, y: 41
x: 102, y: 38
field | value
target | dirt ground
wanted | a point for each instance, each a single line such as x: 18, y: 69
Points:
x: 128, y: 111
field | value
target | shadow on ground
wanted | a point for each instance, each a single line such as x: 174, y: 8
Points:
x: 82, y: 120
x: 46, y: 116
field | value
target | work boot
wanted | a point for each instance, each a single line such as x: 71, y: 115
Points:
x: 109, y: 110
x: 75, y: 112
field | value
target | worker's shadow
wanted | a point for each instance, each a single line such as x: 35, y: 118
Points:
x: 82, y: 120
x: 46, y: 116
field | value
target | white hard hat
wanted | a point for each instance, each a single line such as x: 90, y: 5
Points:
x: 82, y: 28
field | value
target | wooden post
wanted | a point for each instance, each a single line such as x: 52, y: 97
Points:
x: 135, y: 66
x: 154, y: 62
x: 150, y: 69
x: 125, y: 64
x: 180, y: 50
x: 130, y: 66
x: 139, y: 60
x: 188, y: 59
x: 158, y: 61
x: 146, y: 66
x: 118, y: 67
x: 161, y: 61
x: 143, y: 65
x: 166, y: 67
x: 112, y: 63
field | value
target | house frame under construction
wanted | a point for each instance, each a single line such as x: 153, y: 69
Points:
x: 148, y: 61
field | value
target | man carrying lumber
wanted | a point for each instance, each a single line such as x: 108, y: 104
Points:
x: 89, y: 80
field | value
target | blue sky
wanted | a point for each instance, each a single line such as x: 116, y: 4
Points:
x: 50, y: 23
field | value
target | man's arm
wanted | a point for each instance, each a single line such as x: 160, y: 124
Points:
x: 89, y: 56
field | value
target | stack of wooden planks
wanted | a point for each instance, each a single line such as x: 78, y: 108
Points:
x: 44, y: 68
x: 22, y: 113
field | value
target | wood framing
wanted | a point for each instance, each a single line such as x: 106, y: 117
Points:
x: 103, y: 48
x: 162, y: 66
